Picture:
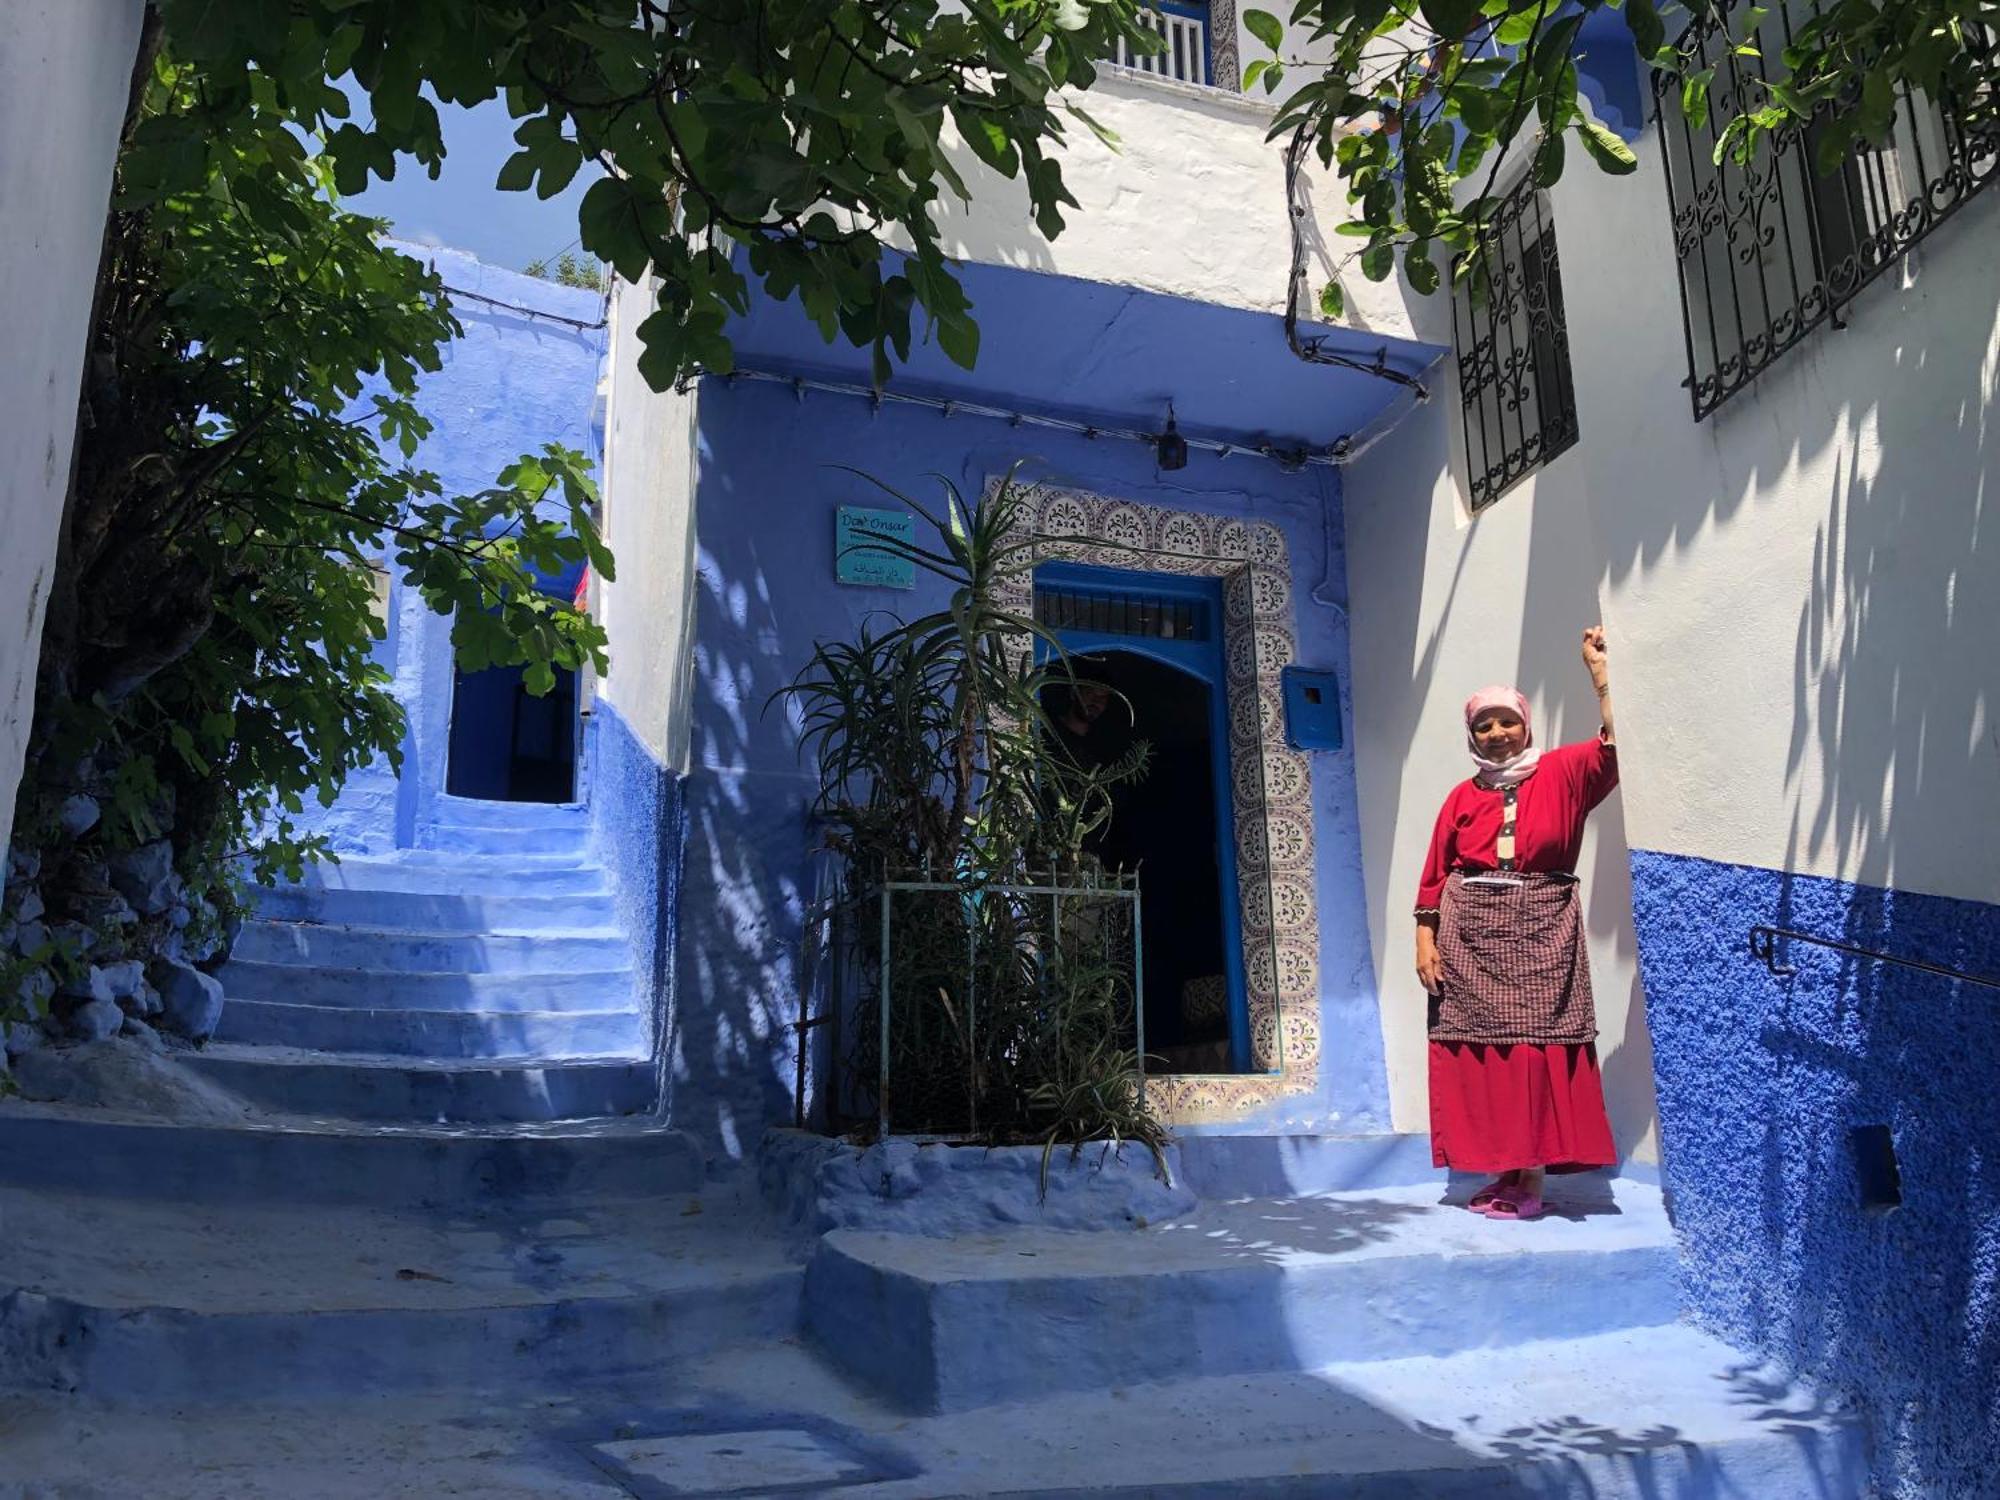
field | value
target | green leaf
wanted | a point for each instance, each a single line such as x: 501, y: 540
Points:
x: 1548, y: 167
x: 1520, y: 25
x: 1379, y: 259
x: 1607, y: 148
x: 1333, y: 301
x: 1450, y: 19
x: 1266, y: 27
x: 1694, y: 97
x: 959, y: 338
x: 1649, y: 32
x: 1421, y: 270
x: 517, y: 173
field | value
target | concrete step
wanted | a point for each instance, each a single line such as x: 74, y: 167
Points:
x: 429, y: 911
x: 316, y: 945
x: 517, y: 839
x: 432, y: 872
x: 1253, y: 1287
x: 392, y: 989
x: 477, y: 812
x: 298, y: 1159
x: 435, y: 1033
x: 352, y: 1086
x: 1284, y: 1166
x: 1643, y: 1415
x: 160, y: 1300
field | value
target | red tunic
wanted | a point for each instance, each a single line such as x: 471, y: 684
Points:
x: 1493, y: 1108
x: 1549, y: 809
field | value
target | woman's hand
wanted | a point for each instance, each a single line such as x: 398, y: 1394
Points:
x: 1430, y: 963
x: 1595, y: 657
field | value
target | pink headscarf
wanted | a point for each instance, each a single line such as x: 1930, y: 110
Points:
x: 1502, y: 773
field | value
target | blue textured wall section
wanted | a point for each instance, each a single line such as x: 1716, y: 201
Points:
x: 637, y: 830
x: 767, y: 493
x: 1762, y: 1078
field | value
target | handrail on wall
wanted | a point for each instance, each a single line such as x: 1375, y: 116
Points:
x: 1764, y: 945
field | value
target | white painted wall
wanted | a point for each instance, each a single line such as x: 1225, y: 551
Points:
x: 1802, y: 594
x: 648, y: 493
x: 64, y: 70
x: 1190, y: 202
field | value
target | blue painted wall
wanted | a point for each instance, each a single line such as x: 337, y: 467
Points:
x: 1761, y: 1079
x: 766, y: 494
x: 510, y: 383
x: 638, y: 832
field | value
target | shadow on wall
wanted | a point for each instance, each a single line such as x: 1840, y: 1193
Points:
x: 1887, y: 661
x: 1878, y: 679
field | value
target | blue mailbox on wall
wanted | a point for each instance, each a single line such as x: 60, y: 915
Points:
x: 1312, y: 709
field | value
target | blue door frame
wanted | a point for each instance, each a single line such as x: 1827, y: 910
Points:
x: 1201, y: 659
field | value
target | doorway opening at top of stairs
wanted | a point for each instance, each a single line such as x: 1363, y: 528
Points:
x: 506, y: 744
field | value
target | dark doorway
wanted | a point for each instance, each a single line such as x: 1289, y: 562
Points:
x: 1164, y: 826
x: 507, y: 745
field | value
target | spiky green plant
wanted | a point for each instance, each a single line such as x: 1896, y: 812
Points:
x: 1012, y: 1014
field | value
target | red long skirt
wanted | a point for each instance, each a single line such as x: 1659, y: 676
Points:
x: 1494, y: 1109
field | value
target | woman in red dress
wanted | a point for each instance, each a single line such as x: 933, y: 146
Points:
x: 1515, y: 1089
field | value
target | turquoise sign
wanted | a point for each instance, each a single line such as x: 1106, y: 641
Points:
x: 860, y: 555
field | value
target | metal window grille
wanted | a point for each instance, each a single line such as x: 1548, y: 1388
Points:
x: 1160, y: 619
x: 1769, y: 251
x: 1508, y: 328
x: 1184, y: 28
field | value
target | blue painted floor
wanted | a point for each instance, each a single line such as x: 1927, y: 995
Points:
x: 446, y: 1250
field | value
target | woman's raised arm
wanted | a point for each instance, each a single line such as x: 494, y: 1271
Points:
x: 1596, y: 662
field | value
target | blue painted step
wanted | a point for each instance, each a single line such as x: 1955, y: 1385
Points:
x: 447, y: 1168
x: 435, y: 1033
x: 390, y: 989
x: 224, y: 1302
x: 428, y: 872
x: 431, y: 911
x: 1283, y: 1166
x: 524, y: 838
x: 359, y: 1087
x: 1261, y: 1286
x: 313, y: 945
x: 475, y: 812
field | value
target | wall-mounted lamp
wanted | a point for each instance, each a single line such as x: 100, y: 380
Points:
x: 1171, y: 447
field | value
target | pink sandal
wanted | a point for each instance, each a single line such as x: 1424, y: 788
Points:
x: 1482, y: 1201
x: 1506, y: 1206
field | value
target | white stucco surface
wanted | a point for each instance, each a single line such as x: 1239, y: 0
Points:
x: 1802, y: 594
x: 648, y: 491
x: 1189, y: 202
x: 64, y: 70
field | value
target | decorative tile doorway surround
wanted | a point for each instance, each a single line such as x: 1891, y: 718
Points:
x: 1271, y: 783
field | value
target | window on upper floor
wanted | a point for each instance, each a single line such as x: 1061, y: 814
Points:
x: 1189, y: 55
x: 1516, y: 395
x: 1769, y: 251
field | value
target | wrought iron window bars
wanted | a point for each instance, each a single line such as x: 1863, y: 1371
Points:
x: 1769, y: 251
x: 1512, y: 343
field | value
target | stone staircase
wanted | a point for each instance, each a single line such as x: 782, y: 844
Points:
x: 480, y: 977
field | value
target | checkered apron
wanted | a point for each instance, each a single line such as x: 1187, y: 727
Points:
x: 1515, y: 970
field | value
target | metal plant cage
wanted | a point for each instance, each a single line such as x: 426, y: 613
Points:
x: 951, y: 1008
